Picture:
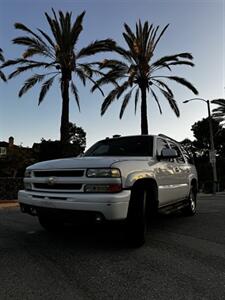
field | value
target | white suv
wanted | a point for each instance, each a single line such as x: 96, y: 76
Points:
x: 122, y: 178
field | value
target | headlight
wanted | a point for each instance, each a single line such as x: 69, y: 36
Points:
x: 27, y: 173
x: 110, y: 173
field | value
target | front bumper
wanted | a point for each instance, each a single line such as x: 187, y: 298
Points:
x: 111, y: 206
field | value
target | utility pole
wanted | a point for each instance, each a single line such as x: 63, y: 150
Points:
x: 212, y: 153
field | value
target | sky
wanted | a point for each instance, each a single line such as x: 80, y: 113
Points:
x: 196, y: 26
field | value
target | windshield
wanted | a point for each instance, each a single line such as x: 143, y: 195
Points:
x: 124, y: 146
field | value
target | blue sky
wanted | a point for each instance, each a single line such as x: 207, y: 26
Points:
x: 195, y: 26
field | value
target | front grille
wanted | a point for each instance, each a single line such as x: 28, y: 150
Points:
x: 59, y: 173
x: 58, y: 186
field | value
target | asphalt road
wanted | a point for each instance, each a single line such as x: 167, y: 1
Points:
x: 183, y: 258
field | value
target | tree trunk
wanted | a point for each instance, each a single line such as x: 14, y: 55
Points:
x: 64, y: 129
x: 144, y: 120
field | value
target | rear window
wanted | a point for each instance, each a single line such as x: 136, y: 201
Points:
x: 124, y: 146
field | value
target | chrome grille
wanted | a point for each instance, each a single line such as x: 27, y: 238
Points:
x: 58, y: 186
x: 59, y: 173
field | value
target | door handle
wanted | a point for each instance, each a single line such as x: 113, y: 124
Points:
x: 177, y: 169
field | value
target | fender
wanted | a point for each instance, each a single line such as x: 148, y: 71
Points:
x: 137, y: 175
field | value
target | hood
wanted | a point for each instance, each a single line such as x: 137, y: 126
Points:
x: 75, y: 163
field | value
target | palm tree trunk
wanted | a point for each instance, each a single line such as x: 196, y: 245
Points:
x: 64, y: 134
x: 144, y: 120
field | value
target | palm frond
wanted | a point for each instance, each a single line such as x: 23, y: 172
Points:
x: 113, y: 64
x: 180, y: 80
x: 125, y: 102
x: 29, y: 83
x: 182, y: 62
x: 77, y: 28
x: 2, y: 59
x: 219, y: 101
x: 10, y: 62
x: 22, y: 69
x: 96, y: 47
x: 122, y: 89
x: 124, y: 53
x: 33, y: 51
x: 164, y: 85
x: 172, y: 102
x: 87, y: 69
x: 136, y: 100
x: 55, y: 28
x: 108, y: 100
x: 35, y: 44
x: 2, y: 76
x: 37, y: 37
x: 45, y: 88
x: 156, y: 100
x: 111, y: 77
x: 81, y: 75
x: 159, y: 37
x: 129, y: 31
x: 22, y: 27
x: 47, y: 37
x: 219, y: 112
x: 75, y: 93
x: 172, y: 59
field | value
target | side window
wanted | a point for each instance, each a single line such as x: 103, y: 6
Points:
x: 180, y: 158
x: 160, y: 145
x: 189, y: 157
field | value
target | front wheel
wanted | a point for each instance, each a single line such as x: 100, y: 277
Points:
x: 190, y: 208
x: 137, y: 218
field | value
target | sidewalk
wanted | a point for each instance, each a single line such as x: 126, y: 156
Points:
x: 8, y: 203
x: 221, y: 194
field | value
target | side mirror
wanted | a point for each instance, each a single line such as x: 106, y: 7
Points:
x: 167, y: 153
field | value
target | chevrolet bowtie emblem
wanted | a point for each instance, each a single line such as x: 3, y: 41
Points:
x: 51, y: 181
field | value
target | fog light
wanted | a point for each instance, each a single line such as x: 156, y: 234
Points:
x: 27, y: 186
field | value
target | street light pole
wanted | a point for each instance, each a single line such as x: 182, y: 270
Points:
x: 212, y: 154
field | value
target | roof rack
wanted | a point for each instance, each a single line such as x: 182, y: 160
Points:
x: 167, y: 137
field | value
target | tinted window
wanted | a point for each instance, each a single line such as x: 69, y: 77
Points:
x: 180, y: 158
x: 124, y: 146
x: 161, y: 144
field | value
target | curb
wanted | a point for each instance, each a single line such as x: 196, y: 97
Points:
x: 8, y: 203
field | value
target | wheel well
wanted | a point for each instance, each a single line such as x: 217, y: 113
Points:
x: 152, y: 194
x: 194, y: 184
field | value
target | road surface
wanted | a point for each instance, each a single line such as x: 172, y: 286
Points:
x: 183, y: 258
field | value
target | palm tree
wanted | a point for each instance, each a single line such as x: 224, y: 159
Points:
x: 136, y: 72
x: 219, y: 112
x: 2, y: 59
x: 57, y: 56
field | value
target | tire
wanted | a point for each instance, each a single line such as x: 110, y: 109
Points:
x: 50, y: 223
x: 137, y: 218
x: 190, y: 208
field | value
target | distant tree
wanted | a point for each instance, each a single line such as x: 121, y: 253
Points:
x: 57, y: 56
x: 48, y: 149
x: 16, y: 161
x: 219, y: 112
x: 187, y: 144
x: 77, y: 136
x: 202, y: 139
x: 2, y: 59
x: 138, y: 73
